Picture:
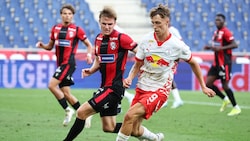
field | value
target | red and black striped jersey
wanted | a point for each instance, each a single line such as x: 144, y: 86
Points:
x: 112, y: 51
x: 222, y: 37
x: 66, y: 41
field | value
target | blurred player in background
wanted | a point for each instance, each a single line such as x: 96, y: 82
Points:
x: 156, y: 62
x: 222, y: 44
x: 111, y: 50
x: 65, y: 37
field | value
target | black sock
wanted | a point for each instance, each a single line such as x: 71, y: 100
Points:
x: 76, y: 105
x: 230, y: 95
x: 63, y: 103
x: 117, y: 127
x: 217, y: 91
x: 75, y: 129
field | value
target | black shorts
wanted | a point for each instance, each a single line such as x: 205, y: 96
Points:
x: 64, y: 74
x: 106, y: 100
x: 221, y: 72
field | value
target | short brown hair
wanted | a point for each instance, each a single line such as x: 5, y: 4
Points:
x: 67, y: 6
x: 108, y: 12
x: 161, y: 10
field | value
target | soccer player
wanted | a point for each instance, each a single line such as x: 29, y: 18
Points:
x: 111, y: 50
x: 65, y: 37
x: 222, y: 45
x: 156, y: 60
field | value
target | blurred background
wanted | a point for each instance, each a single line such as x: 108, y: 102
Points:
x: 24, y: 22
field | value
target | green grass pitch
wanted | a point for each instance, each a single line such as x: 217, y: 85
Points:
x: 35, y: 115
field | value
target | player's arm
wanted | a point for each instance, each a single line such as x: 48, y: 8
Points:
x: 197, y: 71
x: 95, y: 67
x: 87, y: 43
x: 48, y: 46
x: 132, y: 74
x: 232, y: 45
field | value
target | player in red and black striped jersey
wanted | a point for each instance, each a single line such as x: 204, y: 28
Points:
x: 111, y: 50
x: 222, y: 45
x: 65, y: 37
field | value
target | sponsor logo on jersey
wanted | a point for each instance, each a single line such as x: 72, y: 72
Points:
x: 113, y: 38
x: 112, y: 45
x: 63, y: 43
x: 58, y: 28
x: 71, y: 34
x: 156, y: 61
x: 107, y: 58
x: 72, y: 29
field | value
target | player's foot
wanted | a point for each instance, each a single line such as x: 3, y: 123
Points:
x: 234, y: 112
x: 68, y: 116
x: 160, y: 137
x: 177, y: 104
x: 88, y: 122
x: 224, y: 105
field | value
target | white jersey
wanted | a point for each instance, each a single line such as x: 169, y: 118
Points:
x: 160, y: 61
x: 175, y: 32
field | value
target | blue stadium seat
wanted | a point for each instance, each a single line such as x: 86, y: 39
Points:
x: 198, y: 17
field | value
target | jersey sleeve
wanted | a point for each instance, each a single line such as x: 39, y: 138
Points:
x: 127, y: 42
x: 140, y: 55
x: 185, y: 52
x: 81, y: 34
x: 52, y: 37
x: 228, y: 36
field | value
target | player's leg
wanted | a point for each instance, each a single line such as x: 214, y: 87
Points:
x: 70, y: 98
x: 177, y: 99
x: 225, y: 80
x: 142, y: 107
x: 129, y: 96
x: 211, y: 77
x: 84, y: 111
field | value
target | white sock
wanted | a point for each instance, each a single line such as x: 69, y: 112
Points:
x: 176, y: 94
x: 237, y: 107
x: 122, y: 137
x: 148, y: 134
x: 129, y: 96
x: 225, y: 98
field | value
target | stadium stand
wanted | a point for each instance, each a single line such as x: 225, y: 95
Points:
x: 24, y: 22
x: 195, y: 19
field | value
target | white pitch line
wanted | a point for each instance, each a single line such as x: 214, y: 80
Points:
x: 210, y: 104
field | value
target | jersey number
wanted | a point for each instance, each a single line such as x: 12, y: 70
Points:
x: 153, y: 97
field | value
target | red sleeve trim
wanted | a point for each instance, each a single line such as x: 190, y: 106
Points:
x: 137, y: 59
x: 190, y: 58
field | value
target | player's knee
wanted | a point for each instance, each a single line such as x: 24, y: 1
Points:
x: 129, y: 117
x: 81, y: 113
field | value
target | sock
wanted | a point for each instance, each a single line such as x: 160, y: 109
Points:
x: 237, y: 107
x: 217, y: 91
x: 117, y: 127
x: 176, y: 94
x: 122, y: 137
x: 63, y: 103
x: 75, y: 129
x: 76, y: 105
x: 225, y: 98
x: 147, y: 134
x: 230, y: 95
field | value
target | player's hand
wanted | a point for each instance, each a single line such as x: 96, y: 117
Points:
x: 86, y: 72
x: 89, y: 60
x: 39, y: 44
x: 127, y: 83
x: 209, y: 92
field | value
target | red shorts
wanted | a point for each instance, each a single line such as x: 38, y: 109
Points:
x: 152, y: 101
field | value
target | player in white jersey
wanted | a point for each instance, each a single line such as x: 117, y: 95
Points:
x: 156, y: 61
